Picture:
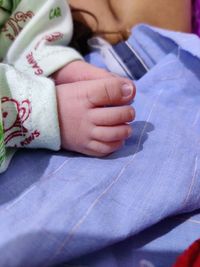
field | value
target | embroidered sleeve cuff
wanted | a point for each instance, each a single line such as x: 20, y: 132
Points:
x: 29, y: 110
x: 46, y: 60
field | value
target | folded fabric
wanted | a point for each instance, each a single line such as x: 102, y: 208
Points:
x: 61, y: 206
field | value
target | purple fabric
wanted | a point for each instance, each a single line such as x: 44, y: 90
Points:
x: 196, y: 17
x: 58, y: 206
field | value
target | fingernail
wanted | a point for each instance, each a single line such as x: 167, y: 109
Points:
x: 127, y: 90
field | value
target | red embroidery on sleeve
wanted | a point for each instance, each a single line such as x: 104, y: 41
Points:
x: 34, y: 64
x: 29, y: 139
x: 52, y: 37
x: 13, y: 123
x: 16, y: 23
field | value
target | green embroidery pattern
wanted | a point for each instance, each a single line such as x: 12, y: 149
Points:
x: 55, y: 13
x: 2, y: 147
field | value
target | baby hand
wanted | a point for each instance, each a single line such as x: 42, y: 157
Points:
x: 94, y: 115
x: 79, y: 71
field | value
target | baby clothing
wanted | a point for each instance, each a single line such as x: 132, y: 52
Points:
x: 48, y: 211
x: 33, y: 39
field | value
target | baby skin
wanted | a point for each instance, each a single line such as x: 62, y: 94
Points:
x: 93, y: 108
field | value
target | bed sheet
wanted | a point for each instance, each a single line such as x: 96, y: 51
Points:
x: 56, y: 208
x: 157, y: 246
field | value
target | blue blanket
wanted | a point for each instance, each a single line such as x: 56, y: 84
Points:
x: 57, y: 207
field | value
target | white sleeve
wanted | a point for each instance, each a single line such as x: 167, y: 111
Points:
x: 29, y: 110
x: 28, y: 113
x: 45, y: 30
x: 33, y: 43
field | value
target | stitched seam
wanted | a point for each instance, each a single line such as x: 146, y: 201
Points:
x: 192, y: 182
x: 121, y: 64
x: 137, y: 56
